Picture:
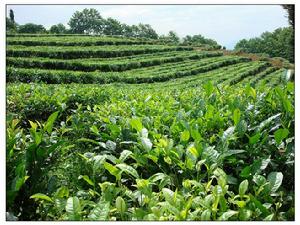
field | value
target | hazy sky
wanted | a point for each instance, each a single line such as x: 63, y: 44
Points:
x: 227, y: 24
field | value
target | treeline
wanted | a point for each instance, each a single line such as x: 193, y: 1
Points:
x: 279, y: 43
x: 90, y: 21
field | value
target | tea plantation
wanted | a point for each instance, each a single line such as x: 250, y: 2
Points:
x: 108, y: 128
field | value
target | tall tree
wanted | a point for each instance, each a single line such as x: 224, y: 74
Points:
x: 31, y: 28
x: 279, y: 43
x: 146, y: 31
x: 11, y: 27
x: 291, y: 14
x: 88, y: 21
x: 173, y: 37
x: 112, y: 27
x: 58, y: 29
x: 11, y: 15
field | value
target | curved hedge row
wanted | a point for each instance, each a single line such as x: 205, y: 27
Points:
x: 105, y: 67
x: 56, y: 77
x: 85, y: 53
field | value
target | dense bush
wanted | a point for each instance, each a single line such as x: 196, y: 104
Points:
x: 279, y: 43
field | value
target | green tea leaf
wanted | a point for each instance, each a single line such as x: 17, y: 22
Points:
x: 280, y: 135
x: 41, y: 196
x: 236, y: 116
x: 125, y: 154
x: 243, y: 187
x: 254, y: 139
x: 275, y: 179
x: 112, y: 170
x: 185, y: 136
x: 100, y: 212
x: 95, y: 130
x: 128, y: 169
x: 146, y: 143
x: 136, y: 124
x: 226, y: 215
x: 73, y: 208
x: 87, y: 179
x: 168, y: 194
x: 50, y: 122
x: 120, y: 205
x: 205, y: 215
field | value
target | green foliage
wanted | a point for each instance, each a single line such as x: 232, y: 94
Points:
x: 216, y: 143
x: 31, y: 28
x: 279, y: 43
x: 200, y: 41
x: 58, y: 29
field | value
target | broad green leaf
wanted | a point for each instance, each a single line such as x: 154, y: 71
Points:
x: 205, y: 215
x: 95, y: 130
x: 144, y: 133
x: 33, y: 125
x: 232, y: 152
x: 128, y: 169
x: 226, y: 215
x: 98, y: 161
x: 259, y: 180
x: 208, y: 87
x: 255, y: 138
x: 73, y: 208
x: 38, y: 138
x: 87, y: 179
x: 267, y: 121
x: 50, y: 122
x: 112, y: 170
x: 245, y: 214
x: 136, y: 124
x: 228, y: 133
x: 243, y: 187
x: 62, y: 192
x: 169, y: 195
x: 110, y: 145
x: 124, y: 155
x: 193, y: 151
x: 121, y: 205
x: 284, y: 100
x: 19, y: 181
x: 163, y: 178
x: 185, y: 136
x: 260, y: 165
x: 196, y: 135
x: 236, y: 116
x: 269, y: 217
x: 146, y: 143
x: 41, y: 196
x: 250, y: 91
x: 275, y: 179
x: 280, y: 135
x: 87, y: 140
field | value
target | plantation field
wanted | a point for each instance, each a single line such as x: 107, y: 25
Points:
x: 104, y: 128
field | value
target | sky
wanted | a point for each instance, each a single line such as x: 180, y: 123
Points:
x: 227, y: 24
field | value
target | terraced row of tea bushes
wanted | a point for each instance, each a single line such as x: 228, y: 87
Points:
x: 206, y: 153
x: 272, y: 79
x: 270, y: 72
x: 114, y: 65
x: 75, y: 41
x: 79, y: 52
x: 263, y: 68
x: 39, y: 100
x: 65, y: 76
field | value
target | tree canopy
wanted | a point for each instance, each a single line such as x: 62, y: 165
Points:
x: 31, y: 28
x: 58, y: 29
x: 279, y: 43
x: 87, y: 21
